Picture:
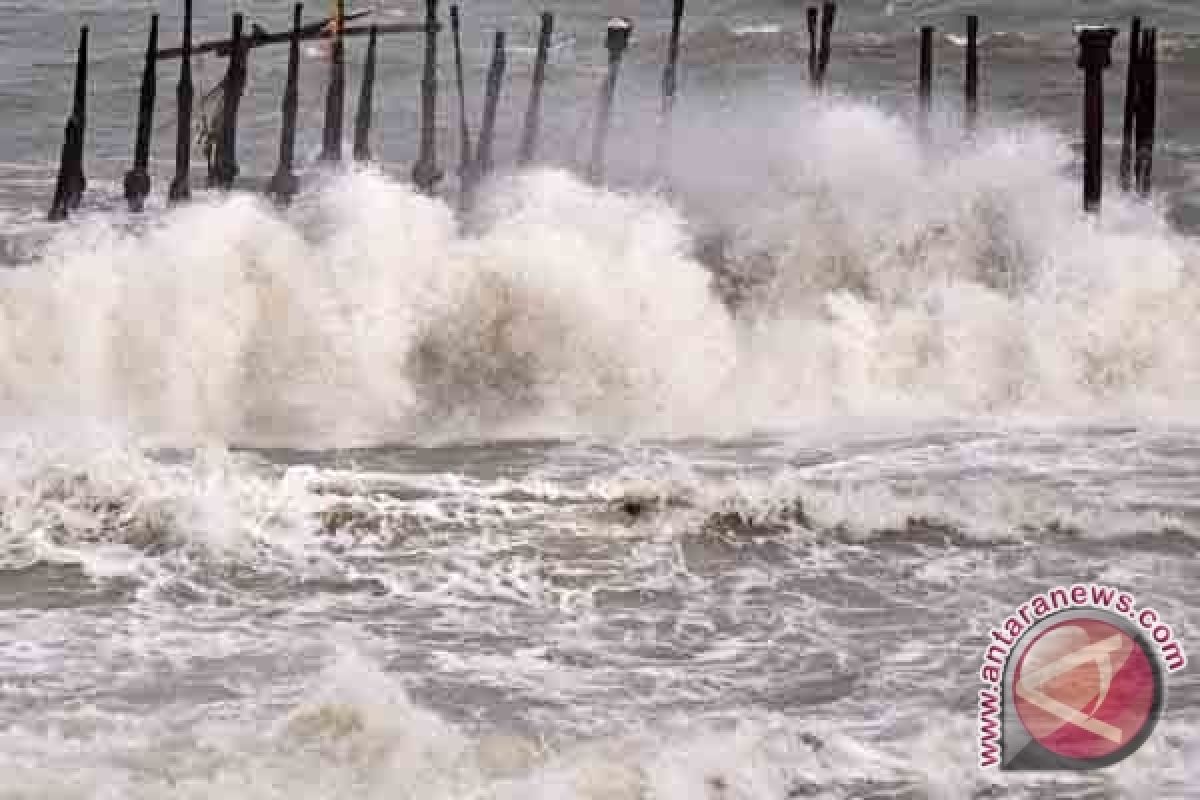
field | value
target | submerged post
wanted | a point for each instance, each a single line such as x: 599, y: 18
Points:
x: 670, y: 85
x: 1095, y: 55
x: 1147, y: 95
x: 972, y: 75
x: 426, y: 173
x: 925, y: 82
x: 533, y: 114
x: 828, y: 13
x: 464, y: 126
x: 362, y: 119
x: 180, y: 189
x: 225, y: 167
x: 813, y: 57
x: 71, y: 183
x: 284, y: 184
x: 137, y: 180
x: 617, y: 42
x: 335, y: 96
x: 1132, y: 78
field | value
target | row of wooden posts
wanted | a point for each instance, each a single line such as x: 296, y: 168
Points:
x: 477, y: 161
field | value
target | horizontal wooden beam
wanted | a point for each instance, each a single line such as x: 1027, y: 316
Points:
x: 314, y: 31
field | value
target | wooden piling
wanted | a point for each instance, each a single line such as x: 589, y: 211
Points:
x: 1147, y: 106
x: 813, y: 55
x: 971, y: 84
x: 284, y: 184
x: 426, y: 173
x: 828, y: 13
x: 925, y: 80
x: 1132, y: 77
x: 533, y: 113
x: 71, y: 183
x: 224, y: 169
x: 617, y: 42
x: 335, y: 95
x: 484, y: 162
x: 670, y: 85
x: 366, y: 97
x: 137, y: 180
x: 1095, y: 55
x: 464, y: 125
x: 180, y: 190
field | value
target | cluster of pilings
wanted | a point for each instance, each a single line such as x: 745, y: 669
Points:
x: 477, y: 160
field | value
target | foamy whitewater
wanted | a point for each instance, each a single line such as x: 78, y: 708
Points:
x: 366, y: 499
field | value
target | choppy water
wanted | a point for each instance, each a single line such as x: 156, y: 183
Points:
x: 365, y: 500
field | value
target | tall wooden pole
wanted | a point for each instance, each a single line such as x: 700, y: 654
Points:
x: 335, y: 96
x: 670, y: 85
x: 284, y: 184
x: 533, y: 114
x: 180, y: 189
x: 362, y: 119
x: 1095, y: 55
x: 971, y: 86
x: 466, y: 155
x: 828, y: 14
x: 487, y: 131
x: 1147, y: 93
x: 1132, y: 78
x: 71, y: 183
x: 426, y: 172
x: 814, y: 77
x: 617, y: 42
x: 925, y: 82
x: 225, y: 167
x: 137, y: 180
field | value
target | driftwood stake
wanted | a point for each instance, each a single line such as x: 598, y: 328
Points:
x: 464, y: 125
x: 813, y: 56
x: 533, y: 114
x: 362, y: 119
x: 670, y: 86
x: 137, y: 180
x: 617, y: 42
x: 1095, y: 55
x: 1147, y: 103
x: 335, y: 96
x: 284, y: 185
x: 971, y: 87
x: 224, y: 168
x: 1132, y: 78
x: 180, y: 189
x: 485, y: 163
x: 426, y: 172
x: 925, y: 81
x: 71, y: 183
x: 828, y: 14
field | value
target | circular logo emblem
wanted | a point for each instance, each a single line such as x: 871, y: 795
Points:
x: 1088, y: 690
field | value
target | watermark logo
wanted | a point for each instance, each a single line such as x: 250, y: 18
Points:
x: 1075, y: 679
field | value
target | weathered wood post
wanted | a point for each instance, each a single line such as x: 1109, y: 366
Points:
x: 1095, y: 55
x: 137, y: 180
x: 225, y: 167
x: 813, y: 56
x: 71, y: 183
x: 181, y: 190
x: 1132, y: 78
x: 1147, y: 96
x: 466, y: 155
x: 670, y: 85
x: 487, y: 130
x: 426, y: 173
x: 335, y: 95
x: 925, y: 81
x: 362, y: 119
x: 828, y: 13
x: 284, y: 185
x: 971, y: 85
x: 533, y: 113
x: 617, y: 42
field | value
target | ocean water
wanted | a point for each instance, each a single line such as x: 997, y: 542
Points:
x: 367, y: 498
